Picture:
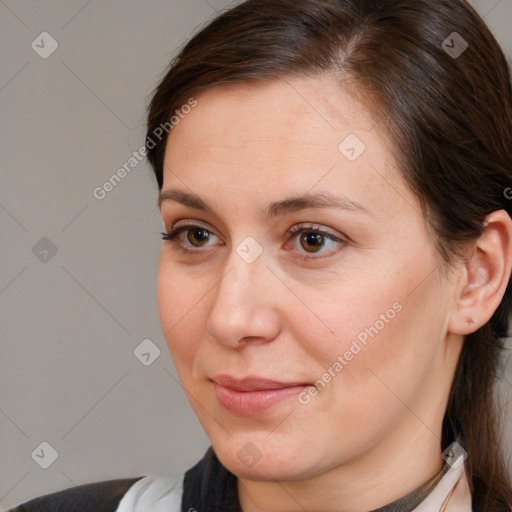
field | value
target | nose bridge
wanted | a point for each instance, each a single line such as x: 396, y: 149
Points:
x: 243, y: 305
x: 244, y: 271
x: 246, y: 267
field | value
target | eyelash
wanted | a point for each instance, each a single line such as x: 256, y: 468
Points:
x: 173, y: 237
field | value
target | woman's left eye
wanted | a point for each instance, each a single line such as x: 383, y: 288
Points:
x: 310, y: 238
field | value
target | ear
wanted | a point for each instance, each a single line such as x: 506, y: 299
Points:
x: 485, y: 275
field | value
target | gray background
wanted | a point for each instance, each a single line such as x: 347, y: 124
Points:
x: 70, y: 321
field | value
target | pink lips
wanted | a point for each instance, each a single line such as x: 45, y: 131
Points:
x: 252, y: 395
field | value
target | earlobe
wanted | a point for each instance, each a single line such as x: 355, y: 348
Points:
x: 470, y: 320
x: 485, y: 275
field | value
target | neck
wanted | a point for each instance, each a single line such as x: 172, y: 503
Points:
x: 390, y: 470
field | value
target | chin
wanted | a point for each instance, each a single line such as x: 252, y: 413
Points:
x: 266, y: 462
x: 267, y: 469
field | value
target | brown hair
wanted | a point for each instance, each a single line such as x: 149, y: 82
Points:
x: 448, y: 118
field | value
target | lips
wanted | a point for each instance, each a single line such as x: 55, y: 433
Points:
x: 253, y: 395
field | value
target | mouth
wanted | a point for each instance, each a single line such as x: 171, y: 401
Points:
x: 253, y: 395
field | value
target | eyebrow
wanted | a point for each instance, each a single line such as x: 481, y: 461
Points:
x: 279, y: 208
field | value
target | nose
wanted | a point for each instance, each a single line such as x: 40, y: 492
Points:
x: 244, y: 309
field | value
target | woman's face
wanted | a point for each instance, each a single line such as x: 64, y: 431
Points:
x: 296, y: 366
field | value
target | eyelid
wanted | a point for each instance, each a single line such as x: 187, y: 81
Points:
x: 187, y: 223
x: 311, y: 226
x: 293, y: 230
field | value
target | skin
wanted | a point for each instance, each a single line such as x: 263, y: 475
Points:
x: 372, y: 434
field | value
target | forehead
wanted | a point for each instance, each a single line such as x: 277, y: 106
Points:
x: 289, y: 135
x: 293, y: 109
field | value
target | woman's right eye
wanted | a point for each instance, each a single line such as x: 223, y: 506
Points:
x: 193, y: 232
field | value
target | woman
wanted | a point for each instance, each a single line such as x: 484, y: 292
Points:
x: 334, y: 278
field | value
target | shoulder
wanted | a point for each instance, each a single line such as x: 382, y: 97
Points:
x: 203, y: 482
x: 103, y: 496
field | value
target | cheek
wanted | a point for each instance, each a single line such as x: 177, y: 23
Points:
x: 382, y: 329
x: 386, y: 368
x: 348, y: 317
x: 179, y: 309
